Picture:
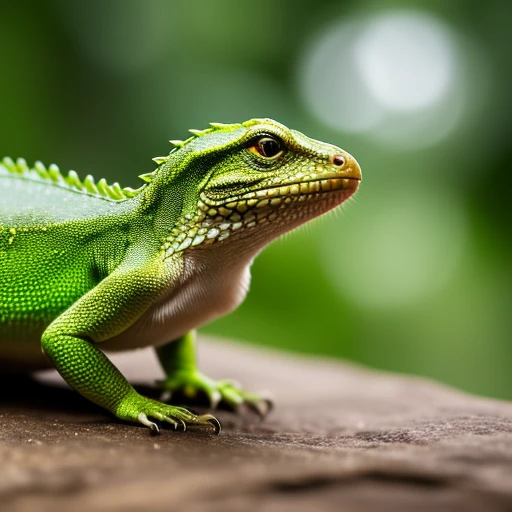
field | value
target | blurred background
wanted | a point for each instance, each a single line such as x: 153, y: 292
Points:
x: 414, y: 275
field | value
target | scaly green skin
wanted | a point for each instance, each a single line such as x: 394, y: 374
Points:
x: 85, y: 265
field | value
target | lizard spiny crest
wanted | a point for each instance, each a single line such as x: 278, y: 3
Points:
x: 88, y: 185
x: 180, y: 143
x: 53, y: 175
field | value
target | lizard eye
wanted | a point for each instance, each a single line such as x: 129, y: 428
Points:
x: 267, y: 147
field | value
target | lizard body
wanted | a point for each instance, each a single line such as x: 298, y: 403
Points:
x: 87, y: 267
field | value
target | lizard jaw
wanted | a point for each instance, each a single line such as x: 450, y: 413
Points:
x: 281, y: 206
x: 245, y: 217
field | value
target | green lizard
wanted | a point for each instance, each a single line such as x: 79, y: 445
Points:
x: 86, y: 266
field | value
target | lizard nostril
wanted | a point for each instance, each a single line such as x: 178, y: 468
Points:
x: 338, y: 160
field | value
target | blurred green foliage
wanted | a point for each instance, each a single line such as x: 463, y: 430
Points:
x: 99, y: 87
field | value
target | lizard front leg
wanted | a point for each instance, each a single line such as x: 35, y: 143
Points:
x: 179, y: 362
x: 71, y: 340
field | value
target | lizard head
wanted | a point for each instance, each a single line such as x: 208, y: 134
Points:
x: 258, y: 180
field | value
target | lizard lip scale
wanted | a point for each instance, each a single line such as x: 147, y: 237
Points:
x: 86, y: 266
x: 294, y: 204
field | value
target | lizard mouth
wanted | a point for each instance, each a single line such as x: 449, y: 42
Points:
x: 320, y: 180
x: 291, y: 203
x: 277, y: 194
x: 283, y: 206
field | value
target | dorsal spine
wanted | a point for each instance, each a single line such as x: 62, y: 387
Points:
x: 53, y: 175
x: 88, y: 185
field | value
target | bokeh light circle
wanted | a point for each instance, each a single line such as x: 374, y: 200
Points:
x: 406, y: 60
x: 395, y: 76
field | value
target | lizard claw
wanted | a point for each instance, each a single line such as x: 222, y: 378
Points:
x: 262, y: 407
x: 171, y: 421
x: 227, y: 391
x: 148, y: 423
x: 178, y: 417
x: 213, y: 421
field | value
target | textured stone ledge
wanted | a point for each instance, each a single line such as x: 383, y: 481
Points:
x: 341, y: 438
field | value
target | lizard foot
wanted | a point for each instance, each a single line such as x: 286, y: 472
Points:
x: 229, y: 392
x: 138, y: 408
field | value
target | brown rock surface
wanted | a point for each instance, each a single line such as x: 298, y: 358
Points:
x: 341, y: 438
